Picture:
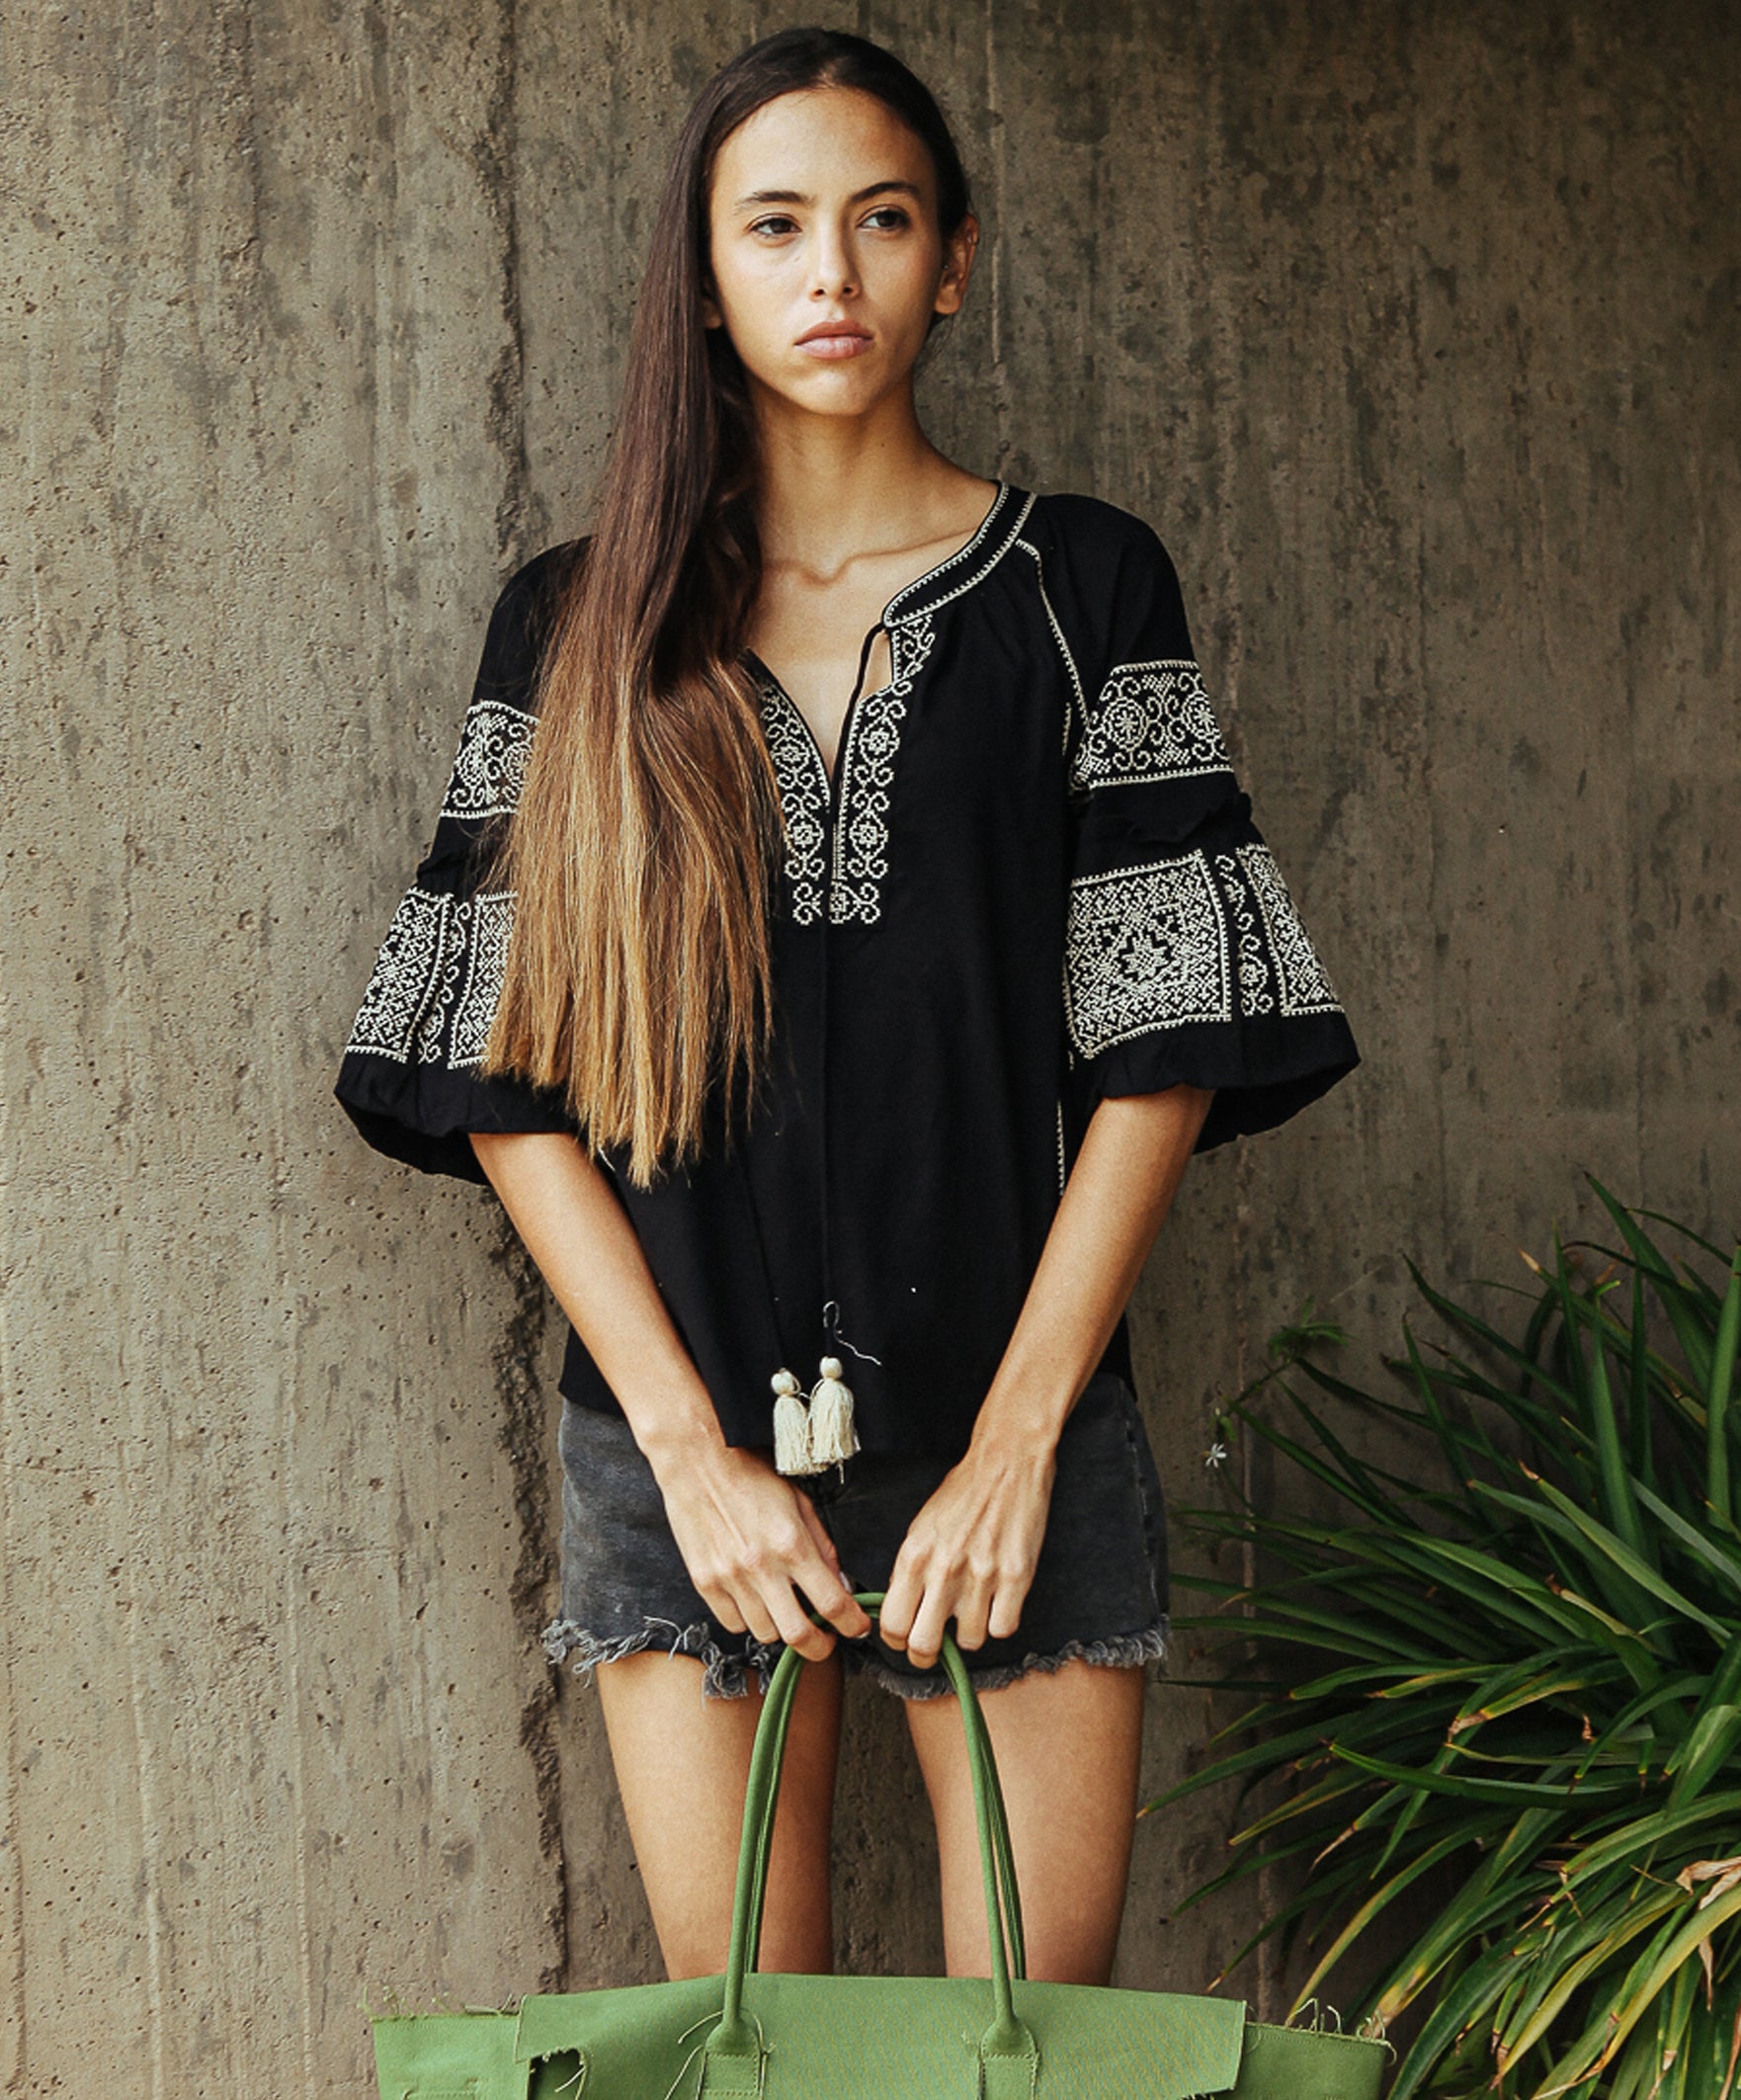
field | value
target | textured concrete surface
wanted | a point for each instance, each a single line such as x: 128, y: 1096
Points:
x: 1412, y: 329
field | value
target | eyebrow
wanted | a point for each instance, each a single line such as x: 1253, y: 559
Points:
x: 798, y: 196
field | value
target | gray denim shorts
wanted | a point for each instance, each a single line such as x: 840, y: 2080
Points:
x: 1099, y: 1590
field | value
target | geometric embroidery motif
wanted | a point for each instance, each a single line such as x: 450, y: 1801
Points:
x: 437, y: 980
x: 1145, y: 947
x: 804, y: 798
x: 1152, y: 721
x: 1305, y: 987
x: 1152, y: 946
x: 864, y: 768
x: 872, y: 741
x: 490, y: 768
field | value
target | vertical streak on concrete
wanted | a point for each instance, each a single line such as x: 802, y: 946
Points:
x: 161, y: 136
x: 524, y: 1400
x: 997, y: 147
x: 526, y: 1409
x: 13, y: 2001
x: 158, y: 2035
x: 250, y: 313
x: 499, y: 170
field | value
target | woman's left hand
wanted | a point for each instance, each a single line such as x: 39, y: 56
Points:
x: 970, y: 1552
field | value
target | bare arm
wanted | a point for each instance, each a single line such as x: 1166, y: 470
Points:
x: 747, y: 1536
x: 972, y: 1551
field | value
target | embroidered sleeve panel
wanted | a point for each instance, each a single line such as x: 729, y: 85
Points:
x: 1150, y: 721
x: 489, y: 770
x: 1209, y: 935
x: 437, y: 980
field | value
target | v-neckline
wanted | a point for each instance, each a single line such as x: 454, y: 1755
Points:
x: 831, y: 774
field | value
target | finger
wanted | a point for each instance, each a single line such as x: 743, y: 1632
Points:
x: 741, y: 1601
x: 900, y: 1601
x: 1006, y: 1609
x: 973, y: 1615
x: 837, y: 1604
x: 796, y: 1628
x: 925, y: 1641
x: 832, y: 1597
x: 724, y: 1607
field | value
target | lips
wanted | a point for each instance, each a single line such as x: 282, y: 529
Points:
x: 835, y: 329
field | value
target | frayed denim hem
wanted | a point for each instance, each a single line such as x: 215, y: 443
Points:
x: 723, y: 1675
x: 1120, y: 1651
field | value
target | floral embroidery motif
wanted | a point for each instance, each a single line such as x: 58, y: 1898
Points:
x: 437, y: 980
x: 872, y: 739
x: 490, y: 769
x: 803, y: 798
x: 1146, y: 948
x: 1305, y: 984
x: 1152, y: 721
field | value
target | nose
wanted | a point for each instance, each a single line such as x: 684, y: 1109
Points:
x: 832, y: 274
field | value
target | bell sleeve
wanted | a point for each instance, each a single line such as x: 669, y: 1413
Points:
x: 1186, y: 959
x: 409, y: 1079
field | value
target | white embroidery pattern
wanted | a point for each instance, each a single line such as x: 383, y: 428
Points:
x: 803, y: 798
x: 437, y: 980
x: 490, y: 769
x: 1153, y: 947
x: 874, y: 737
x: 1152, y: 721
x: 1146, y: 948
x: 1305, y: 983
x: 1255, y: 995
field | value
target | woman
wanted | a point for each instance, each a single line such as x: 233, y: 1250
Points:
x: 833, y: 989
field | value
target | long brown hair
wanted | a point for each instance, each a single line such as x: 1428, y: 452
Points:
x: 641, y: 855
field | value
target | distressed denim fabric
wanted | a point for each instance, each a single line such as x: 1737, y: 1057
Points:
x: 1100, y: 1589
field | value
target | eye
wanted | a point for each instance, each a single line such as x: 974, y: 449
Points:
x: 895, y: 210
x: 779, y: 220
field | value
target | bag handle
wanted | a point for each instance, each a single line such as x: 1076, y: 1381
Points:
x: 734, y: 2037
x: 982, y: 1770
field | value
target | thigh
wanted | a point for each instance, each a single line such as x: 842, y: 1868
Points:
x: 682, y: 1762
x: 1068, y: 1744
x: 682, y: 1697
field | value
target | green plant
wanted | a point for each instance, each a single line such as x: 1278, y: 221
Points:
x: 1519, y: 1676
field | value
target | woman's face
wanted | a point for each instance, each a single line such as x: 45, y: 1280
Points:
x: 824, y: 209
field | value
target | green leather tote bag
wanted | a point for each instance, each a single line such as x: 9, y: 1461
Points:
x: 744, y: 2035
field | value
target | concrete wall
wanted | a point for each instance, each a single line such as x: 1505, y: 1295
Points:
x: 1413, y: 331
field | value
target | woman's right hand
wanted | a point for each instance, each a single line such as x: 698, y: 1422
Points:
x: 751, y: 1542
x: 748, y: 1537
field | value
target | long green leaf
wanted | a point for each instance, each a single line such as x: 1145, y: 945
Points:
x: 1579, y: 1524
x: 1723, y: 1372
x: 1619, y: 1500
x: 1637, y: 1840
x: 1500, y: 1791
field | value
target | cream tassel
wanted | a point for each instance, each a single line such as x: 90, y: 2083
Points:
x: 792, y: 1427
x: 832, y: 1434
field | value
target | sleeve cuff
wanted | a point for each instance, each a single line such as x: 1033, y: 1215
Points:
x: 1262, y: 1071
x: 423, y: 1114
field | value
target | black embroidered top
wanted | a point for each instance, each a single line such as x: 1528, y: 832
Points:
x: 1034, y: 880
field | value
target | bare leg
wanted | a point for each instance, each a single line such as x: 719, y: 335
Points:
x: 1068, y: 1745
x: 682, y: 1762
